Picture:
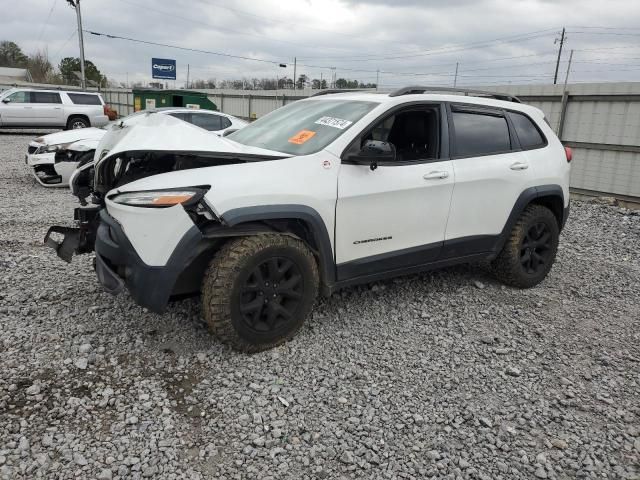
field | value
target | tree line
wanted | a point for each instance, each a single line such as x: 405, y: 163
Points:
x: 43, y: 71
x: 281, y: 83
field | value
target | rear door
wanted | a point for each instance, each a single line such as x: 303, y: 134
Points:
x: 18, y: 110
x: 491, y: 172
x: 47, y: 108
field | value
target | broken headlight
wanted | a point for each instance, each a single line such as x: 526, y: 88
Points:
x: 52, y: 148
x: 161, y: 198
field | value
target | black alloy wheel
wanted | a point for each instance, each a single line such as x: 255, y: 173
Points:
x: 536, y: 248
x: 271, y: 294
x: 258, y: 290
x: 529, y: 251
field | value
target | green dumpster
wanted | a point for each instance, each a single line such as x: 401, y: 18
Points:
x: 146, y: 98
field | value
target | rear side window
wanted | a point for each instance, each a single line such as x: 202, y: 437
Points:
x: 182, y: 116
x: 206, y: 121
x: 45, y: 97
x: 224, y: 122
x: 84, y: 99
x: 480, y: 134
x: 528, y: 133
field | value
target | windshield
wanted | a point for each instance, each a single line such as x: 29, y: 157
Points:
x: 303, y: 127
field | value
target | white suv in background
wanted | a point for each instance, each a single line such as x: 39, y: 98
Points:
x: 335, y: 190
x: 31, y: 108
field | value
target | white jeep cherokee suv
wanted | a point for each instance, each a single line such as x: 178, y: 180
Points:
x: 326, y: 192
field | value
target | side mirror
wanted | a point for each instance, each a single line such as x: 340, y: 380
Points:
x: 373, y: 152
x: 6, y: 100
x: 230, y: 131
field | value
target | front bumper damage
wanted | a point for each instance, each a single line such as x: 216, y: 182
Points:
x: 75, y: 240
x: 117, y: 264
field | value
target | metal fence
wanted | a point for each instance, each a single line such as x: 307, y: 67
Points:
x: 600, y: 121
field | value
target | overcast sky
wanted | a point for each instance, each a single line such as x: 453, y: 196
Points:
x: 494, y: 41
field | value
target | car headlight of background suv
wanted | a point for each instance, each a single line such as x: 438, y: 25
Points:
x: 161, y: 198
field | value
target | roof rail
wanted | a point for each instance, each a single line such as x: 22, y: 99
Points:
x: 466, y: 91
x: 335, y: 90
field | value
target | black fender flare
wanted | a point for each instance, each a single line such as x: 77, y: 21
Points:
x: 304, y: 213
x: 524, y: 199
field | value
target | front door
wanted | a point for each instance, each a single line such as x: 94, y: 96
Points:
x: 394, y: 216
x: 18, y: 110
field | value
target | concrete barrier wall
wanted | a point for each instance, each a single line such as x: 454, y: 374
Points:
x: 600, y: 121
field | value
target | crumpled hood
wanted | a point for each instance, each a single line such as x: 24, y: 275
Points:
x: 72, y: 136
x: 158, y: 132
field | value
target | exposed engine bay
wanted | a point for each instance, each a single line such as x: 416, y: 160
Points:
x: 127, y: 167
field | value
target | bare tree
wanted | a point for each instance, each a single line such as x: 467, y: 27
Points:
x: 40, y: 67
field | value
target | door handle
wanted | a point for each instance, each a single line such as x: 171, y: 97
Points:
x: 435, y: 175
x: 519, y: 166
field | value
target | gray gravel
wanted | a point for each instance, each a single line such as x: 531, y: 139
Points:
x: 441, y: 375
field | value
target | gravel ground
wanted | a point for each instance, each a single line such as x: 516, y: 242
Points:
x: 441, y: 375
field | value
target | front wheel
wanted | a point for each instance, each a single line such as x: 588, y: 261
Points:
x: 530, y: 249
x: 258, y: 290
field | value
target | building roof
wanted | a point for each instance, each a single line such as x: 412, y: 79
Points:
x: 12, y: 74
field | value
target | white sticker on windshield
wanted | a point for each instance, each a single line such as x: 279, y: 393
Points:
x: 334, y: 122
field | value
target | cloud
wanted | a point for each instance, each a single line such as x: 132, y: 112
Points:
x: 403, y: 39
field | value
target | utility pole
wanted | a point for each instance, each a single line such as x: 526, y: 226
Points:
x: 295, y: 61
x: 566, y: 77
x: 320, y: 80
x: 76, y: 4
x: 187, y: 76
x: 562, y: 39
x: 455, y: 78
x: 377, y: 78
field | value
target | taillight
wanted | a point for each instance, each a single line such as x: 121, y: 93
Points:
x: 569, y: 153
x: 105, y: 109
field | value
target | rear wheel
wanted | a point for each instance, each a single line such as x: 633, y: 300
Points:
x: 530, y: 250
x: 258, y: 291
x: 77, y: 122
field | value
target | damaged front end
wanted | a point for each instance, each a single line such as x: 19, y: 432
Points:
x: 159, y: 145
x: 75, y: 240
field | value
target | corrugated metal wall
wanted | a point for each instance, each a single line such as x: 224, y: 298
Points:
x: 601, y: 122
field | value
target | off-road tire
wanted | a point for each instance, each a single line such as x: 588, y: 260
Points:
x: 225, y: 284
x: 508, y: 266
x: 74, y: 121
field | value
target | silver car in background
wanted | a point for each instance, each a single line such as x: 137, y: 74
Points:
x: 53, y: 158
x: 33, y: 108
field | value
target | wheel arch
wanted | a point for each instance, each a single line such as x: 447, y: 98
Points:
x: 301, y: 221
x: 549, y: 196
x: 77, y: 115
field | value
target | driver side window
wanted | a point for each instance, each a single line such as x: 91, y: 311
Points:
x: 19, y: 97
x: 414, y: 132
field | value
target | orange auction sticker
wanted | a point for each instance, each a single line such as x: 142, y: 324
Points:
x: 301, y: 137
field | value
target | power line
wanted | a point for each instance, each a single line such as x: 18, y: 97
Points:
x: 46, y: 22
x: 443, y: 50
x: 75, y: 32
x: 197, y: 50
x: 606, y: 33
